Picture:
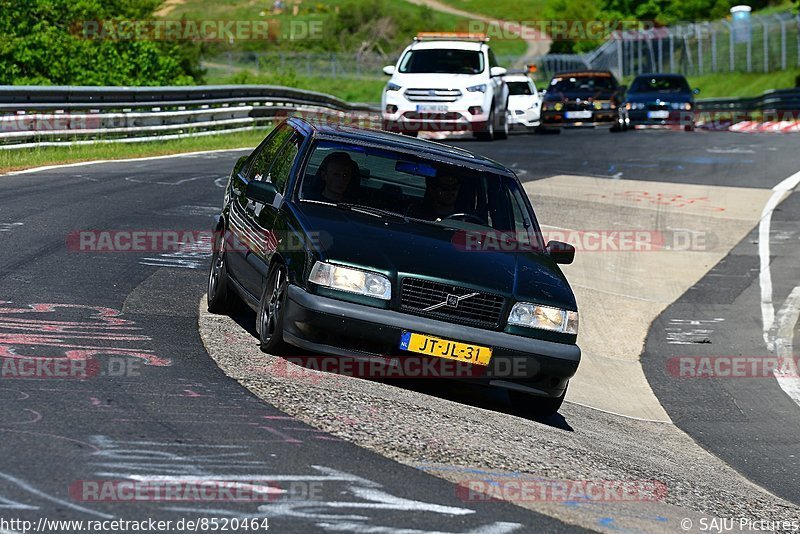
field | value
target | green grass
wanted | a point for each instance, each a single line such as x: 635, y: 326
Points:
x: 396, y: 10
x: 12, y: 160
x: 739, y: 84
x: 503, y: 9
x: 347, y: 89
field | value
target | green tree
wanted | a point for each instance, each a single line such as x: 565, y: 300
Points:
x: 45, y: 43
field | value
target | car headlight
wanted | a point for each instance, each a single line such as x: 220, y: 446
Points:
x: 351, y: 280
x: 676, y: 105
x: 477, y: 88
x: 392, y: 87
x: 558, y: 106
x: 637, y: 105
x: 687, y: 106
x: 544, y: 318
x: 602, y: 105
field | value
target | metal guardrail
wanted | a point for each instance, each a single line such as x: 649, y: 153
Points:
x: 781, y: 101
x: 32, y: 116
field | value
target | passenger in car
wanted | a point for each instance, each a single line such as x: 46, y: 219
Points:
x: 337, y: 179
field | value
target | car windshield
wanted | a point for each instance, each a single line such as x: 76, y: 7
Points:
x: 519, y: 88
x: 658, y: 84
x: 442, y: 60
x: 571, y: 84
x: 386, y: 182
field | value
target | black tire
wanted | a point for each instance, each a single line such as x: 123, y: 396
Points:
x: 537, y: 407
x: 488, y: 133
x: 619, y: 126
x: 689, y: 127
x: 501, y: 133
x: 221, y: 300
x: 269, y: 319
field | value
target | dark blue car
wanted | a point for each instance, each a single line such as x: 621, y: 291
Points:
x: 661, y: 100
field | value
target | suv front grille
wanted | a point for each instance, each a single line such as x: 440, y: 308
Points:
x: 481, y: 309
x: 433, y: 95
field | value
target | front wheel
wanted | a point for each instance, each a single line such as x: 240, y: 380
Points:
x: 538, y: 407
x: 488, y: 133
x: 269, y: 320
x: 502, y: 131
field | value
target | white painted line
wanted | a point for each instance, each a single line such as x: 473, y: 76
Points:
x: 787, y: 377
x: 99, y: 161
x: 633, y: 417
x: 780, y: 191
x: 30, y: 489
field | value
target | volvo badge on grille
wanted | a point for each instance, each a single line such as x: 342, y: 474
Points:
x: 451, y: 301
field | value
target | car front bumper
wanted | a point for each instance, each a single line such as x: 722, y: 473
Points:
x: 675, y: 118
x: 559, y: 119
x: 526, y: 119
x: 344, y: 329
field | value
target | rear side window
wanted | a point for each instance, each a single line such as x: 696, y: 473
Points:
x: 259, y: 168
x: 282, y: 165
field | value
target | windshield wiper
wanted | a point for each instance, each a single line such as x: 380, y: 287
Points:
x: 378, y: 212
x: 371, y: 210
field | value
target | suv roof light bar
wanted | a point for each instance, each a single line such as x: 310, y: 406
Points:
x: 451, y: 36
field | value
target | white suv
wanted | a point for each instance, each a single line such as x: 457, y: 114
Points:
x: 446, y: 82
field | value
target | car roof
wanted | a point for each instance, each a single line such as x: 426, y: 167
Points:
x: 579, y: 73
x: 660, y: 75
x: 442, y: 44
x: 516, y: 78
x: 403, y: 143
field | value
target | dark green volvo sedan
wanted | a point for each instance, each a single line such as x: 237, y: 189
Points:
x: 363, y: 245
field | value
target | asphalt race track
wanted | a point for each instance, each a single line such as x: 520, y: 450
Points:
x: 156, y: 407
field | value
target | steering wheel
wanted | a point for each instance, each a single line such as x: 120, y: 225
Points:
x: 464, y: 216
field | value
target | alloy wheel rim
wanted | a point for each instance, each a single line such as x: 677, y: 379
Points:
x: 271, y: 315
x: 219, y: 261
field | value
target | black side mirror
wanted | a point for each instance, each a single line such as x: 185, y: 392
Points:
x: 263, y: 192
x: 561, y: 252
x: 696, y: 91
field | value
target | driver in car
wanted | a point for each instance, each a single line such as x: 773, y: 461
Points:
x: 441, y: 195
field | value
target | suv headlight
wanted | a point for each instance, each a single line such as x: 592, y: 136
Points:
x: 351, y: 280
x: 392, y: 87
x: 477, y: 88
x: 544, y: 318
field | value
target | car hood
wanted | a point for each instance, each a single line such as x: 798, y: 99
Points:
x: 559, y: 96
x: 522, y: 101
x: 436, y: 81
x: 664, y: 97
x: 412, y: 248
